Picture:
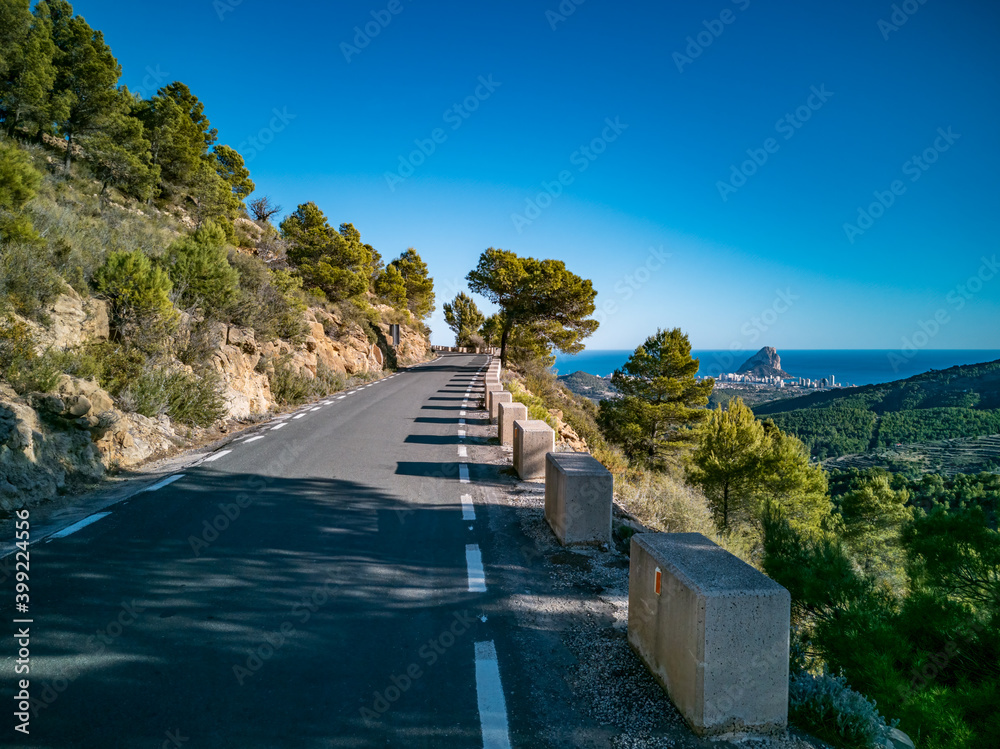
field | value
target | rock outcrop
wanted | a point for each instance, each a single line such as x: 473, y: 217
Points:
x: 765, y: 363
x: 76, y: 431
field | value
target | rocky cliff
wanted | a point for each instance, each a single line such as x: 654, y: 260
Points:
x: 77, y: 432
x: 765, y: 363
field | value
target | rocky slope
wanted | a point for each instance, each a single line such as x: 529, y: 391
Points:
x: 765, y: 363
x: 77, y: 432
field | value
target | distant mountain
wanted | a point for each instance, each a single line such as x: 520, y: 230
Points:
x: 959, y: 402
x: 588, y: 386
x: 765, y: 363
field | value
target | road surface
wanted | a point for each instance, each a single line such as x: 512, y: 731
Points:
x: 316, y: 583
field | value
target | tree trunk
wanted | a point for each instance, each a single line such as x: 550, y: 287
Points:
x: 503, y: 343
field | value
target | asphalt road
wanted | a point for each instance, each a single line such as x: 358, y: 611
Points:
x: 313, y: 584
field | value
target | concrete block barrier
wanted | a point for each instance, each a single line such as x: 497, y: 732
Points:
x: 579, y: 492
x: 533, y: 440
x: 506, y: 416
x: 491, y: 387
x: 496, y: 398
x: 712, y: 630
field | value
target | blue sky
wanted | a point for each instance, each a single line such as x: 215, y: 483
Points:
x: 818, y: 108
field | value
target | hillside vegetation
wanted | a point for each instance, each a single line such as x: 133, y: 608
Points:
x: 147, y: 297
x: 960, y: 402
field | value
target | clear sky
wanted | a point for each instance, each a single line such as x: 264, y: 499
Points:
x: 744, y: 136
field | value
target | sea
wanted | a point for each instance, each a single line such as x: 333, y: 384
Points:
x: 848, y: 367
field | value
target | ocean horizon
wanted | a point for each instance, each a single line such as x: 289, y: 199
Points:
x: 848, y: 366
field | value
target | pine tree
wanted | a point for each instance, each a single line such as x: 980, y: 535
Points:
x: 419, y: 285
x: 661, y: 400
x: 119, y: 156
x: 87, y: 74
x: 200, y: 270
x: 230, y: 166
x: 463, y: 316
x: 334, y: 262
x: 27, y: 72
x: 391, y: 288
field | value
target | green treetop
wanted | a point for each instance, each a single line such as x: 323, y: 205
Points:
x: 419, y: 285
x: 337, y: 263
x: 463, y: 317
x: 661, y: 400
x: 541, y: 294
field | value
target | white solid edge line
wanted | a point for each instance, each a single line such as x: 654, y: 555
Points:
x: 463, y: 451
x: 254, y: 439
x: 463, y: 473
x: 474, y: 563
x: 489, y: 694
x: 468, y: 509
x: 279, y: 426
x: 213, y: 458
x: 165, y: 482
x: 79, y: 525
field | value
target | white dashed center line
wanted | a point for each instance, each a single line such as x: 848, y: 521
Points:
x: 463, y: 451
x: 468, y: 509
x: 489, y: 693
x: 474, y: 562
x: 463, y: 473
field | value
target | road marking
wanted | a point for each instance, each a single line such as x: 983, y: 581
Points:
x: 253, y: 439
x: 279, y: 426
x: 165, y: 482
x: 213, y: 458
x: 462, y: 413
x: 461, y: 421
x: 463, y: 473
x: 468, y: 509
x: 81, y: 524
x: 461, y: 433
x: 489, y: 692
x: 318, y: 408
x: 341, y: 397
x: 474, y: 563
x: 463, y: 451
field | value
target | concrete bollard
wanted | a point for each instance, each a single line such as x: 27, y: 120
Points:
x: 498, y: 398
x: 533, y: 440
x: 506, y: 416
x: 579, y: 492
x: 712, y: 630
x: 491, y: 387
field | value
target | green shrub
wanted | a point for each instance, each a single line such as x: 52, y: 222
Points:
x: 138, y: 294
x: 828, y: 708
x: 19, y: 180
x: 20, y: 365
x: 288, y: 386
x: 268, y: 301
x: 27, y: 279
x: 113, y: 365
x: 194, y: 400
x: 200, y: 271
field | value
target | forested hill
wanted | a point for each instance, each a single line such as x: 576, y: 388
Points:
x: 961, y: 401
